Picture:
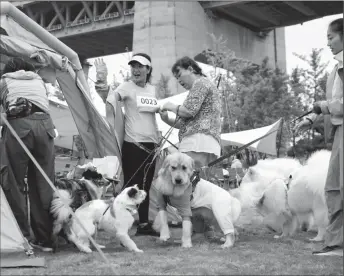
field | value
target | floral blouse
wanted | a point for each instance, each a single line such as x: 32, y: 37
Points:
x: 204, y: 103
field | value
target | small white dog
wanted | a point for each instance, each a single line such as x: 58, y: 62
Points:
x: 174, y: 182
x: 115, y: 216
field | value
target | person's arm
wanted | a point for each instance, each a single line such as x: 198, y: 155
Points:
x: 306, y: 123
x: 336, y: 106
x: 171, y: 122
x: 192, y: 103
x: 179, y: 110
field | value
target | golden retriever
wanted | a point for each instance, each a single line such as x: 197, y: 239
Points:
x: 174, y: 181
x: 173, y: 184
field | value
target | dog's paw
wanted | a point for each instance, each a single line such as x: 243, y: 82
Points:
x: 87, y: 250
x: 164, y: 238
x: 186, y: 244
x: 138, y: 251
x: 316, y: 239
x: 277, y: 237
x: 227, y: 245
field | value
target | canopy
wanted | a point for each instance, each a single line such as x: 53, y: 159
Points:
x: 266, y: 145
x: 20, y: 36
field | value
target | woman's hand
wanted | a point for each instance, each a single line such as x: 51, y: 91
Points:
x: 169, y: 107
x: 101, y: 69
x: 302, y: 126
x: 317, y: 108
x: 163, y: 115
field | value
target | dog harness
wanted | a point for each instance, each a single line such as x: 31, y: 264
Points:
x: 195, y: 178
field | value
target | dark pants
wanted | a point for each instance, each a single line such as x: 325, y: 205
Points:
x: 132, y: 158
x: 37, y: 133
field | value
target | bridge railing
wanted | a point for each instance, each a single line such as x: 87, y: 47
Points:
x: 61, y: 15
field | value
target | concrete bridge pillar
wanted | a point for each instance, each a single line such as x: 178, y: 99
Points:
x: 167, y: 31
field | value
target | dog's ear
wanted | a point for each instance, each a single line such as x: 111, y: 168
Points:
x: 163, y: 182
x: 132, y: 192
x: 165, y: 165
x: 192, y: 163
x: 90, y: 174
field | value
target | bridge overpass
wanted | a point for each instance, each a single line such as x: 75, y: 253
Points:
x: 168, y: 30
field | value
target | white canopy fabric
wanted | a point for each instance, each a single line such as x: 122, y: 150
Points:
x: 266, y: 145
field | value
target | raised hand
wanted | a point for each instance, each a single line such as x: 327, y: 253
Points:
x: 101, y: 69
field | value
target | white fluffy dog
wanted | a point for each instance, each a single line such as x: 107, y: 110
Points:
x: 288, y: 200
x: 174, y: 182
x: 306, y: 195
x: 114, y: 216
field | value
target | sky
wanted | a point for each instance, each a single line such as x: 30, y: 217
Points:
x: 300, y: 38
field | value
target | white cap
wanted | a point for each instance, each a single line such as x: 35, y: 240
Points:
x: 140, y: 59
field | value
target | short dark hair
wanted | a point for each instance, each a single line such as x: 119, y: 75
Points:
x: 337, y: 26
x: 185, y: 63
x: 16, y: 63
x: 149, y: 75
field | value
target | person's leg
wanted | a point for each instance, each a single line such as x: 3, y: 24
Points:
x: 134, y: 161
x: 39, y: 189
x: 148, y: 170
x: 15, y: 169
x: 334, y: 199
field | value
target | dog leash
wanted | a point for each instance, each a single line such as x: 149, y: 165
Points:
x: 155, y: 151
x: 33, y: 159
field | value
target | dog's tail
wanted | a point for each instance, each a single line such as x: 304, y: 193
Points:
x: 60, y: 209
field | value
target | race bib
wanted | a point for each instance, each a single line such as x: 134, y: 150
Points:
x: 147, y: 104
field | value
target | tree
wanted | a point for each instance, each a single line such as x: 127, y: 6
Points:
x: 114, y: 84
x: 257, y: 95
x: 309, y: 85
x: 314, y: 76
x: 162, y: 89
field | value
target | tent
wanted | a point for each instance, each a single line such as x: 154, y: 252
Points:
x: 14, y: 247
x: 23, y: 37
x: 266, y: 145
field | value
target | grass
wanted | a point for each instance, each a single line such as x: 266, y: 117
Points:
x: 255, y: 253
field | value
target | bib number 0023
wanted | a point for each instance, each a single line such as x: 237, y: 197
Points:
x: 147, y: 104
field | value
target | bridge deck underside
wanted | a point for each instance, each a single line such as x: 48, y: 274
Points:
x: 265, y: 15
x: 107, y: 42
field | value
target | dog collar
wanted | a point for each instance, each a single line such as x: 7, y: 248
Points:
x: 132, y: 211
